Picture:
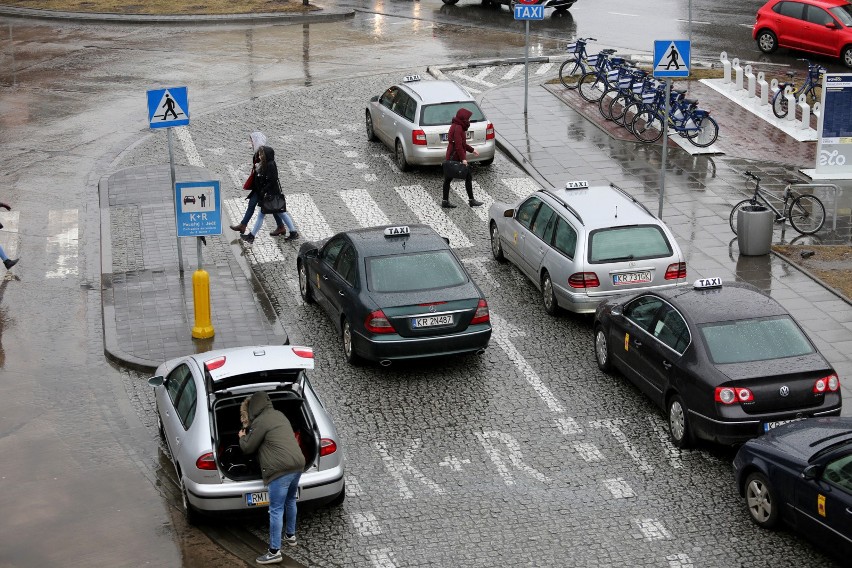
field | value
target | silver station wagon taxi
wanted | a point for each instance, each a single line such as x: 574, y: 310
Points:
x: 413, y: 117
x: 581, y: 245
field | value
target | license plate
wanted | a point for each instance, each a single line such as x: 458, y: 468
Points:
x: 767, y: 426
x: 468, y: 135
x: 631, y: 278
x: 258, y: 499
x: 431, y: 321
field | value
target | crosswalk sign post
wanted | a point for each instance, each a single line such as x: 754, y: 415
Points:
x: 167, y: 108
x: 527, y: 10
x: 671, y: 59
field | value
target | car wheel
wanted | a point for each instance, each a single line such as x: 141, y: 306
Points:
x: 766, y: 41
x: 341, y: 497
x: 496, y: 247
x: 401, y: 162
x: 487, y: 162
x: 304, y: 285
x: 760, y: 498
x: 451, y: 2
x: 602, y: 349
x: 371, y: 134
x: 846, y: 56
x: 189, y: 512
x: 678, y: 422
x: 547, y: 295
x: 348, y: 348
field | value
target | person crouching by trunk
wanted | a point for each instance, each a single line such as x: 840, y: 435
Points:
x: 457, y: 149
x: 268, y: 433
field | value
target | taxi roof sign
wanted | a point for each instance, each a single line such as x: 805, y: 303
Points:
x: 400, y: 231
x: 704, y: 283
x: 577, y: 185
x: 410, y: 78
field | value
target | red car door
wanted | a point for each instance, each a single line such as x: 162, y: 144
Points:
x: 818, y: 38
x: 789, y: 23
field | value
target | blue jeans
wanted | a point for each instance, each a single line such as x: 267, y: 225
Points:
x: 280, y: 219
x: 282, y: 497
x: 250, y: 210
x: 3, y: 256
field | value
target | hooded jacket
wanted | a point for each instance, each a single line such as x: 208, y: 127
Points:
x: 457, y: 146
x: 266, y: 178
x: 271, y: 436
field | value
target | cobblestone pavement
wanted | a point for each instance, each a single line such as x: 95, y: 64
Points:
x: 526, y: 455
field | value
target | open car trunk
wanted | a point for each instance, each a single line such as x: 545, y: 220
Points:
x: 236, y: 465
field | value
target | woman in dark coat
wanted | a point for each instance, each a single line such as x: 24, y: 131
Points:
x: 457, y: 149
x: 266, y: 181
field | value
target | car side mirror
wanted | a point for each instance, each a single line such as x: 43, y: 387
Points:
x: 312, y: 253
x: 374, y: 99
x: 446, y: 239
x: 509, y: 213
x: 811, y: 472
x: 831, y: 25
x: 157, y: 381
x: 616, y: 310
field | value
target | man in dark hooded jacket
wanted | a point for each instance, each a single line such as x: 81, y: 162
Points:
x: 457, y: 149
x: 270, y: 434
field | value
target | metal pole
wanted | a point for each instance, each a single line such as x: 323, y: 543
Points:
x: 690, y: 22
x: 665, y: 146
x: 526, y: 63
x: 172, y: 166
x: 198, y: 241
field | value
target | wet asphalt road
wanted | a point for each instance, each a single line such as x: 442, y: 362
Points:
x: 83, y: 481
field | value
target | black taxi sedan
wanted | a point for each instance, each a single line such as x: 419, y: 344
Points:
x: 726, y: 362
x: 801, y: 474
x: 395, y: 293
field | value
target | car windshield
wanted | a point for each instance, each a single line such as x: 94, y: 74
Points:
x: 620, y: 244
x: 755, y: 340
x: 410, y: 272
x: 443, y: 113
x: 843, y: 13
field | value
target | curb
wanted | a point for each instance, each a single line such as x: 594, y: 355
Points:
x: 323, y: 14
x: 813, y: 277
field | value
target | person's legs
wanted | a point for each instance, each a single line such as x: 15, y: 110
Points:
x: 3, y: 256
x: 445, y: 202
x: 277, y: 495
x: 468, y: 185
x: 252, y: 204
x: 7, y: 262
x: 258, y: 224
x: 290, y: 504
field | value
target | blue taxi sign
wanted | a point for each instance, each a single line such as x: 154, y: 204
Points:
x: 577, y: 185
x: 529, y: 12
x: 705, y: 283
x: 400, y: 231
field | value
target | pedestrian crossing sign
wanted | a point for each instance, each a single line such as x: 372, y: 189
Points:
x: 671, y: 58
x: 168, y: 107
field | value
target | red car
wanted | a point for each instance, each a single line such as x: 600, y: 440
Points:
x: 816, y: 26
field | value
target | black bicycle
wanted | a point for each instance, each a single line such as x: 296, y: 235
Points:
x: 806, y: 212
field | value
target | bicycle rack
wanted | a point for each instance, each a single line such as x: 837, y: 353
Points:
x: 832, y: 187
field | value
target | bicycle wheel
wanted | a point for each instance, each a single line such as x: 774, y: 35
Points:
x: 706, y: 134
x: 591, y: 87
x: 779, y: 104
x: 570, y: 72
x: 617, y: 106
x: 647, y: 127
x: 807, y: 214
x: 733, y: 218
x: 630, y: 113
x: 604, y: 102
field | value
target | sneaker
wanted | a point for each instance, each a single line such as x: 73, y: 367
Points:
x: 290, y: 539
x: 249, y: 238
x: 271, y: 557
x: 292, y: 236
x: 474, y: 202
x: 447, y: 205
x: 9, y: 263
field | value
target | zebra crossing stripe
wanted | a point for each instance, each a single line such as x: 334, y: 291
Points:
x: 479, y: 78
x: 364, y: 208
x: 61, y: 248
x: 545, y: 67
x: 310, y: 222
x: 237, y: 177
x: 513, y: 70
x: 9, y: 234
x: 185, y: 139
x: 522, y: 187
x: 481, y: 211
x: 430, y: 213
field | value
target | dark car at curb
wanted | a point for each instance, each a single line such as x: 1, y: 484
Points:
x: 801, y: 474
x: 393, y: 293
x: 725, y: 362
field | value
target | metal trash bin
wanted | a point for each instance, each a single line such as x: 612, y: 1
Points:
x: 754, y: 230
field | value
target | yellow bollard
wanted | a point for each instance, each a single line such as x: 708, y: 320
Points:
x: 201, y: 298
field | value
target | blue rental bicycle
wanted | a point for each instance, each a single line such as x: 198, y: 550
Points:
x: 811, y: 88
x: 684, y: 117
x: 577, y: 63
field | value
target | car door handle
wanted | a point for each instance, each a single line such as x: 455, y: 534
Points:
x: 667, y: 365
x: 849, y: 510
x: 341, y: 292
x: 324, y: 277
x: 637, y: 343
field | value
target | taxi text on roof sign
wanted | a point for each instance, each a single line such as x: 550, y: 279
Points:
x: 409, y: 78
x: 577, y: 185
x: 703, y: 283
x: 397, y: 231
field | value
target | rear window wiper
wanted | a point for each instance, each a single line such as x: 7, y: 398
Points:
x: 617, y: 258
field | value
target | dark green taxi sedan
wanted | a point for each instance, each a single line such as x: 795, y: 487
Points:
x: 395, y: 292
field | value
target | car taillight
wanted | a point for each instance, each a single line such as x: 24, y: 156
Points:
x: 206, y: 461
x: 377, y: 322
x: 731, y: 395
x: 418, y: 137
x: 305, y: 352
x: 584, y: 280
x: 830, y: 383
x: 481, y: 315
x: 327, y: 447
x: 489, y: 132
x: 676, y: 271
x: 214, y: 364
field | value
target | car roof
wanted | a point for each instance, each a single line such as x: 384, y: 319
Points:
x: 731, y: 301
x: 371, y: 241
x: 251, y: 359
x: 430, y: 92
x: 601, y: 206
